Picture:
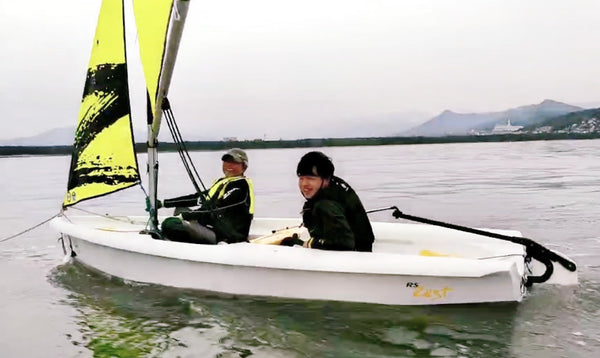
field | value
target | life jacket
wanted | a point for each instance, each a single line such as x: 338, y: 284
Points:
x: 217, y: 190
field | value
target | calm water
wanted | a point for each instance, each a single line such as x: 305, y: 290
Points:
x: 548, y: 190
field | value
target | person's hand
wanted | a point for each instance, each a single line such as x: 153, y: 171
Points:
x: 180, y: 209
x: 308, y: 243
x: 291, y: 241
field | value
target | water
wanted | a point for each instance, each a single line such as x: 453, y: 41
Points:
x: 548, y: 190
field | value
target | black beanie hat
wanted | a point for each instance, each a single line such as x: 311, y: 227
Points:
x: 315, y: 164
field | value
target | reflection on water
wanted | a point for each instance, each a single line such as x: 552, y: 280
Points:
x: 121, y: 319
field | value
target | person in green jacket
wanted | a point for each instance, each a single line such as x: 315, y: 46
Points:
x: 332, y: 213
x: 226, y: 208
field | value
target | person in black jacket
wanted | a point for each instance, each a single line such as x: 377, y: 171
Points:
x: 332, y: 213
x: 226, y: 208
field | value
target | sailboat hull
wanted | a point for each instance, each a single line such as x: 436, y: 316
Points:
x: 417, y: 266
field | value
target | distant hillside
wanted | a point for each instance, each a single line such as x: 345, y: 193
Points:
x: 377, y: 125
x: 56, y: 136
x: 448, y: 123
x: 451, y: 123
x: 53, y: 137
x: 586, y: 121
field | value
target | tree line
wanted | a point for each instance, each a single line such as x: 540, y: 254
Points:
x: 311, y: 142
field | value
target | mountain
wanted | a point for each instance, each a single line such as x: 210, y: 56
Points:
x: 451, y: 123
x: 56, y: 136
x: 531, y: 117
x: 586, y: 121
x: 380, y: 125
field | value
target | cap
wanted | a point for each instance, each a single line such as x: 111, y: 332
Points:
x: 237, y: 155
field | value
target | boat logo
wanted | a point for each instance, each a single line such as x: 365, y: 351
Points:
x: 428, y: 293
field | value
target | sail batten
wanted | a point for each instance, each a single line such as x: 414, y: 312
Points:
x: 103, y: 159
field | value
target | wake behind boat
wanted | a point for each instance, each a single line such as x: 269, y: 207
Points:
x: 411, y: 264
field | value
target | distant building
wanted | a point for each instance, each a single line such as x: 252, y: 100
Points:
x: 230, y: 139
x: 591, y: 125
x: 505, y: 128
x: 544, y: 129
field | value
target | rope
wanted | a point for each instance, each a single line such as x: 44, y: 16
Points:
x: 181, y: 147
x: 498, y: 256
x: 31, y: 228
x: 147, y: 204
x: 116, y: 218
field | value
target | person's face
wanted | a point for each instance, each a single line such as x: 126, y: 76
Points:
x: 232, y: 169
x: 309, y: 185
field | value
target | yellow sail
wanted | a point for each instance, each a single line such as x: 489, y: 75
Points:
x: 152, y: 22
x: 104, y: 158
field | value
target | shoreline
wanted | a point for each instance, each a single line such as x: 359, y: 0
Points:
x: 310, y: 143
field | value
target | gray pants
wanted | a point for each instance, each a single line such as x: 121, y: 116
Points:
x: 199, y: 233
x: 176, y: 229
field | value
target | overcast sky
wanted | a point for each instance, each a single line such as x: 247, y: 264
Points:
x: 277, y: 67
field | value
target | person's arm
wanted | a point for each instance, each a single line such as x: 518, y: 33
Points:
x: 186, y: 200
x: 235, y: 194
x: 333, y: 231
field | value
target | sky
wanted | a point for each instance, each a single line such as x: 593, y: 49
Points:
x: 295, y: 69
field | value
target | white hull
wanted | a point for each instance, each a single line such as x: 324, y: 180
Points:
x: 400, y: 271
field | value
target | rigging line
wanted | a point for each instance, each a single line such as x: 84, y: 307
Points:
x: 148, y: 223
x: 143, y: 190
x: 177, y: 141
x: 176, y: 138
x: 31, y: 228
x: 184, y: 147
x: 221, y: 208
x: 498, y: 256
x: 166, y: 106
x: 112, y: 217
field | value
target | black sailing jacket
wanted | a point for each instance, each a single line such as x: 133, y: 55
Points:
x: 229, y: 212
x: 337, y: 220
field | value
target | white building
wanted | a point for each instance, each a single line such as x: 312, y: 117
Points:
x: 505, y: 128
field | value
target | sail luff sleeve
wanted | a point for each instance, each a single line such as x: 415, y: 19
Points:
x: 178, y: 17
x: 152, y: 21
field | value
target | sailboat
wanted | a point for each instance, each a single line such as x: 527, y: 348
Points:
x: 422, y: 263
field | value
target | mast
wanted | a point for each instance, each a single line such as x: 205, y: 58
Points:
x: 178, y: 16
